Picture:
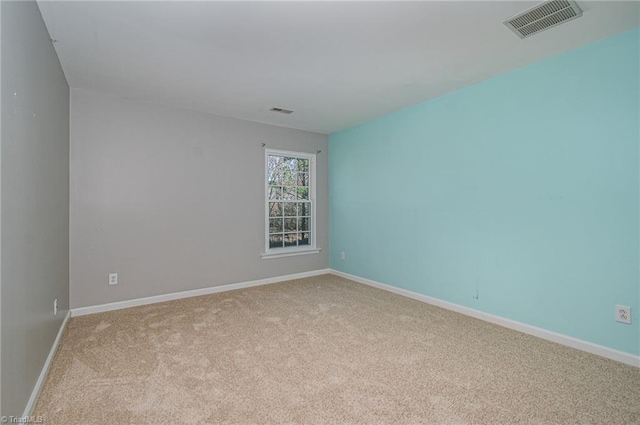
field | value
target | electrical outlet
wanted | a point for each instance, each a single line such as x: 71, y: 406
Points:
x: 623, y: 314
x: 342, y: 256
x: 55, y: 306
x: 113, y: 278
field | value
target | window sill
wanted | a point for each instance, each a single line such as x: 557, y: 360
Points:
x: 289, y: 253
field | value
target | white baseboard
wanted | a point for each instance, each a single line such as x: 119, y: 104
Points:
x: 579, y: 344
x: 31, y: 404
x: 576, y: 343
x: 81, y: 311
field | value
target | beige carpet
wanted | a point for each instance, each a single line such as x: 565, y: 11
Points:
x: 322, y: 350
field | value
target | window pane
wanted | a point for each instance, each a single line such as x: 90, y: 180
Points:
x: 290, y: 239
x: 290, y: 224
x: 303, y: 192
x: 274, y: 173
x: 275, y: 192
x: 271, y: 170
x: 289, y: 178
x: 275, y: 241
x: 276, y: 179
x: 303, y: 224
x: 290, y: 209
x: 289, y: 193
x: 275, y: 225
x: 275, y: 209
x: 303, y: 179
x: 304, y: 239
x: 304, y: 209
x: 289, y: 166
x: 303, y: 165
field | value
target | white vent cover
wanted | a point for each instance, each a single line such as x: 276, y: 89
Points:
x: 542, y: 17
x: 281, y: 110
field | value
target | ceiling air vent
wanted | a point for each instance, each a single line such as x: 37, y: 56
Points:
x: 542, y: 17
x: 281, y: 110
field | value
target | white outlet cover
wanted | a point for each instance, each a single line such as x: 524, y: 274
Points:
x: 623, y: 314
x: 113, y: 278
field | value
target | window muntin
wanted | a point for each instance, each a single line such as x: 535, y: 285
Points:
x: 290, y: 221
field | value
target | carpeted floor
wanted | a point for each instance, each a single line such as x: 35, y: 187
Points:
x: 322, y: 350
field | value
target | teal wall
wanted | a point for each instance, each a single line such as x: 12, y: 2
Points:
x: 523, y: 188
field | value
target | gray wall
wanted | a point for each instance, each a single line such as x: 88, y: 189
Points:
x: 1, y: 213
x: 172, y: 199
x: 35, y: 200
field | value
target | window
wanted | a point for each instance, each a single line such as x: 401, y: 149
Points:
x: 290, y: 204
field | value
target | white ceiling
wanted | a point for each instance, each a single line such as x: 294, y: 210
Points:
x: 336, y: 64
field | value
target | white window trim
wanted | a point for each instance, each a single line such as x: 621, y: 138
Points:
x: 291, y: 251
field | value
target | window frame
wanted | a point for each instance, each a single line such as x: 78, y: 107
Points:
x: 312, y: 248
